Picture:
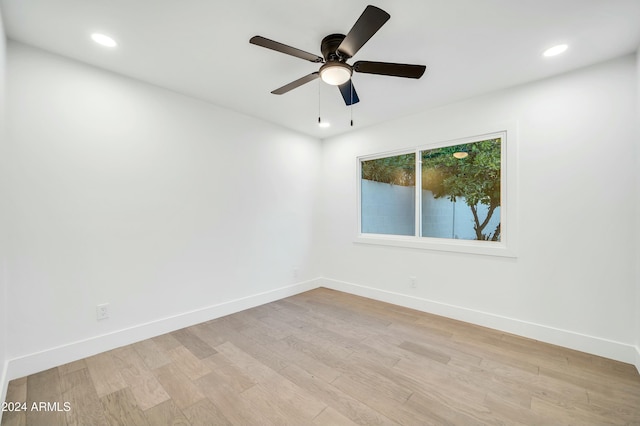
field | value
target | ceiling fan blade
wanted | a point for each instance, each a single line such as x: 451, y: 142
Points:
x: 297, y: 83
x: 371, y: 20
x: 388, y: 68
x: 283, y: 48
x: 349, y: 93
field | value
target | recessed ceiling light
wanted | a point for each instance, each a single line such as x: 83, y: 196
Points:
x: 103, y: 40
x: 555, y: 50
x: 324, y: 124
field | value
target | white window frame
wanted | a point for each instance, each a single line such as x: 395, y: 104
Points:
x: 506, y: 247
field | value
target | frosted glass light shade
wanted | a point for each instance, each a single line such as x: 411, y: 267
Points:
x: 335, y: 73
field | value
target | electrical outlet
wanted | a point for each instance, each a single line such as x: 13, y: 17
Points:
x: 102, y: 311
x: 295, y: 272
x: 413, y: 282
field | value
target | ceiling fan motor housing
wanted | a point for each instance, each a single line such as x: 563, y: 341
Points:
x: 329, y: 47
x: 335, y: 71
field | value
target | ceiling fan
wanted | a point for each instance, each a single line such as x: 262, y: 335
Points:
x: 336, y: 50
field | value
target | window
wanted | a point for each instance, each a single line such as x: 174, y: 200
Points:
x: 461, y: 194
x: 459, y: 204
x: 388, y: 195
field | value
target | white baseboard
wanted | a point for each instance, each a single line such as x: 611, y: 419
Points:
x: 40, y: 361
x: 590, y: 344
x: 4, y: 383
x: 35, y: 362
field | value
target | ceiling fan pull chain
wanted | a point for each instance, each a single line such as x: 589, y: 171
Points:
x: 351, y: 106
x: 319, y: 120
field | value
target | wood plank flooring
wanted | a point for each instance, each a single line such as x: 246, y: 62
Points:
x: 329, y: 358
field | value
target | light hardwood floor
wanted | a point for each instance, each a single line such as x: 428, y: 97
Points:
x: 329, y: 358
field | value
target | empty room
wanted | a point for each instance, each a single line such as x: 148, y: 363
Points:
x: 196, y: 228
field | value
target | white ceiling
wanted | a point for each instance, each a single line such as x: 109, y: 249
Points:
x: 201, y: 48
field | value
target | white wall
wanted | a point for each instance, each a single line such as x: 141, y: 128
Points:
x: 3, y: 283
x: 174, y: 211
x: 573, y: 281
x: 638, y: 210
x: 170, y: 209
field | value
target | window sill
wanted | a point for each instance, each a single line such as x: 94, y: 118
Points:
x: 486, y: 248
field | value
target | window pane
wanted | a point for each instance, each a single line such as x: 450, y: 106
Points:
x: 461, y: 191
x: 388, y: 195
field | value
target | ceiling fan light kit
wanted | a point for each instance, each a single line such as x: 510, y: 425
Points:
x: 336, y: 50
x: 335, y: 73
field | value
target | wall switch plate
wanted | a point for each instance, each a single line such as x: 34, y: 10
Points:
x: 102, y: 311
